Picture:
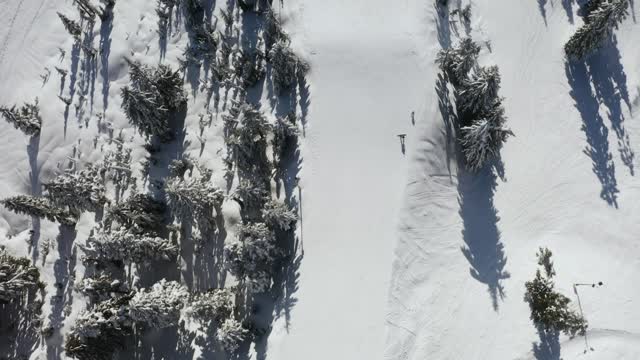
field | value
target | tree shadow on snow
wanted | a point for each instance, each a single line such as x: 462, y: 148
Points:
x: 61, y: 301
x: 20, y: 324
x: 548, y: 348
x: 105, y: 50
x: 34, y: 178
x: 610, y: 84
x: 595, y: 131
x: 483, y: 247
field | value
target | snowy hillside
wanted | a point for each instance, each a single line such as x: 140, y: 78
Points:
x: 329, y: 207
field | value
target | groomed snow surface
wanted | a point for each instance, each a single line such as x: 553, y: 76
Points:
x: 404, y: 256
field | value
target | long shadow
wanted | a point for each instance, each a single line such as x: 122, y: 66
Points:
x: 19, y: 325
x: 548, y: 348
x: 73, y: 77
x: 483, y: 247
x: 543, y: 11
x: 595, y: 130
x: 443, y: 26
x: 568, y: 8
x: 610, y: 83
x: 63, y: 268
x: 105, y: 50
x: 34, y: 177
x: 449, y: 117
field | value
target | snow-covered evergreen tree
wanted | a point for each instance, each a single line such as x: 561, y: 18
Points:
x: 159, y: 306
x: 457, y: 62
x: 26, y: 118
x: 246, y: 133
x: 480, y: 91
x: 17, y: 276
x: 250, y: 194
x: 145, y: 112
x: 278, y: 215
x: 285, y: 134
x: 273, y: 31
x: 549, y: 308
x: 102, y: 287
x: 230, y: 334
x: 286, y: 66
x: 140, y: 213
x: 598, y: 26
x: 120, y: 245
x: 97, y: 333
x: 484, y: 138
x: 38, y: 207
x: 252, y: 255
x: 193, y: 198
x: 71, y: 26
x: 213, y: 305
x: 80, y: 191
x: 153, y: 94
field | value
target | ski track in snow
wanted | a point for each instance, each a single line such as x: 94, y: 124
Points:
x: 3, y: 49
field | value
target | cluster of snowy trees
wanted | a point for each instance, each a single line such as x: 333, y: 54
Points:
x: 100, y: 331
x: 601, y: 18
x: 154, y: 93
x: 481, y: 116
x: 25, y: 118
x: 549, y: 308
x: 17, y: 277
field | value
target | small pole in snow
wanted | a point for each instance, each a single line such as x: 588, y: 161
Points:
x: 575, y: 290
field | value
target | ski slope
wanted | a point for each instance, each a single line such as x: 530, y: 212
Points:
x: 467, y: 243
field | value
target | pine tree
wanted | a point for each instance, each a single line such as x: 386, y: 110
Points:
x: 38, y: 207
x: 231, y: 334
x: 79, y: 191
x: 484, y: 138
x: 286, y: 66
x: 102, y: 287
x: 598, y: 26
x: 145, y: 112
x: 478, y: 93
x: 252, y: 255
x: 549, y: 308
x: 158, y: 307
x: 17, y: 276
x: 72, y: 27
x: 140, y: 213
x: 457, y: 62
x: 213, y: 305
x: 193, y: 199
x: 153, y: 94
x: 97, y: 333
x: 250, y: 194
x: 278, y: 215
x: 26, y: 118
x: 120, y: 245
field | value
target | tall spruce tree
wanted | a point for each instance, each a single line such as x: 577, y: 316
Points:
x: 153, y: 94
x: 39, y: 207
x: 480, y: 91
x: 120, y: 245
x: 72, y: 26
x: 80, y: 191
x: 549, y: 308
x: 598, y: 26
x: 26, y: 118
x: 17, y: 276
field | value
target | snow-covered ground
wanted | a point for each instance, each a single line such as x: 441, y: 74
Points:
x: 403, y: 255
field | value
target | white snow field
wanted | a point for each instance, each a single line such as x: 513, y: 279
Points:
x: 402, y: 255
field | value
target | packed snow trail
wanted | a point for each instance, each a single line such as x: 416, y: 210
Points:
x: 366, y: 79
x: 467, y: 243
